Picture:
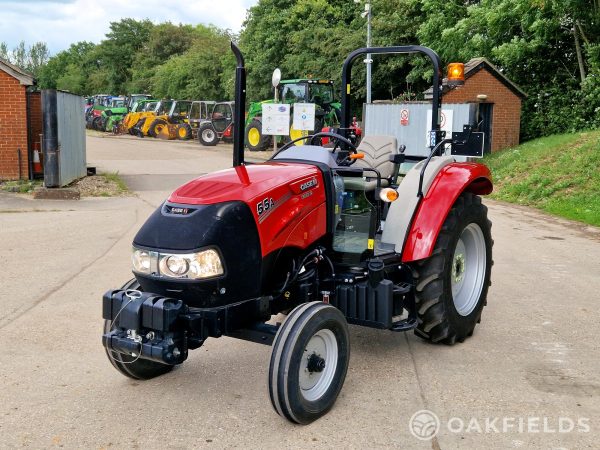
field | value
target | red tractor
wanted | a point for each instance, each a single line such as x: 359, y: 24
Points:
x: 325, y: 236
x: 219, y: 127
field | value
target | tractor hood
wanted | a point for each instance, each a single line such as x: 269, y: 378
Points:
x: 286, y: 200
x: 242, y: 183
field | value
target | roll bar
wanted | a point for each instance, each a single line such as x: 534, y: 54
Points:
x: 240, y: 90
x: 406, y: 49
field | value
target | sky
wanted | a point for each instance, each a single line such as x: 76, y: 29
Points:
x: 60, y: 23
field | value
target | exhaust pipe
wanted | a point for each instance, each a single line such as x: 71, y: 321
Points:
x: 240, y: 105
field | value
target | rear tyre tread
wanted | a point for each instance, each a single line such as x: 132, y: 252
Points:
x: 434, y: 323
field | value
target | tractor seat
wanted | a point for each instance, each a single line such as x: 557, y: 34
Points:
x: 377, y: 151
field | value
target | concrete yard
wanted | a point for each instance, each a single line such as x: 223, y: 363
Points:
x: 530, y: 371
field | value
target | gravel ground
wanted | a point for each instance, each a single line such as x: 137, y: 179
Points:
x: 101, y: 186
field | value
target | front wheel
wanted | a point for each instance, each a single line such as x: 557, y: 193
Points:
x: 452, y: 284
x: 207, y: 135
x: 184, y: 131
x: 309, y: 361
x: 131, y: 366
x: 256, y: 141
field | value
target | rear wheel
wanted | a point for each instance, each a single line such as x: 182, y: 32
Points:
x: 131, y: 366
x: 184, y: 131
x: 207, y: 135
x: 156, y: 127
x: 452, y: 284
x: 309, y: 361
x: 256, y: 141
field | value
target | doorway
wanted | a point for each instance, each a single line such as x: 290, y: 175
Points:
x: 484, y: 122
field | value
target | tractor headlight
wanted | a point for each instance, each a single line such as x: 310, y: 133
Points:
x: 174, y: 265
x: 204, y: 264
x: 143, y: 261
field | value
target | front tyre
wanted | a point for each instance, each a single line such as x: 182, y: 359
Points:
x: 207, y: 135
x: 452, y: 284
x: 256, y: 141
x: 309, y: 361
x: 184, y: 132
x: 130, y: 366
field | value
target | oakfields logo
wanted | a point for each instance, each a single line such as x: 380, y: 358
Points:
x: 425, y: 425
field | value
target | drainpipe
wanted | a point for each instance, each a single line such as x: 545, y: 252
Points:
x: 20, y: 161
x: 29, y: 138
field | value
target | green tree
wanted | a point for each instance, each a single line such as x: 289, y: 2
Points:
x: 31, y: 59
x: 71, y: 69
x: 202, y: 72
x: 313, y: 37
x: 4, y: 51
x: 166, y: 40
x: 117, y: 52
x: 38, y: 56
x: 547, y: 47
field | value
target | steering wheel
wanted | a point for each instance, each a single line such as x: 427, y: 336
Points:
x: 337, y: 138
x: 311, y: 137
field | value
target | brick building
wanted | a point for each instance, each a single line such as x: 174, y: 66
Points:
x: 498, y: 98
x: 20, y: 122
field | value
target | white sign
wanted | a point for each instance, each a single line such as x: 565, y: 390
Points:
x: 276, y: 119
x: 445, y: 125
x: 304, y: 116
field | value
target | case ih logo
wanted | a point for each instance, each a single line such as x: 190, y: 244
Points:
x: 310, y: 183
x: 177, y: 210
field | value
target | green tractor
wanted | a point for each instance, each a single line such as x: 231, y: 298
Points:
x: 112, y: 115
x: 301, y: 90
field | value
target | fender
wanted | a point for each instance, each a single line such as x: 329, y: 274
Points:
x: 450, y: 182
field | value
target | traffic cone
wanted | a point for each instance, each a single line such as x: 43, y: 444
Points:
x: 37, y: 165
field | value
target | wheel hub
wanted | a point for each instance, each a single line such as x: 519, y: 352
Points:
x: 318, y: 365
x: 315, y: 363
x: 254, y: 137
x: 458, y: 267
x: 467, y: 273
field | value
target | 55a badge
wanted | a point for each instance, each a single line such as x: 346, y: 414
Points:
x: 264, y: 205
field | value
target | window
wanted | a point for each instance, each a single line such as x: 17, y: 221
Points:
x: 222, y: 111
x: 321, y: 93
x: 294, y: 93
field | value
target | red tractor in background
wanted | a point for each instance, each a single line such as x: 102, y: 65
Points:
x: 219, y: 126
x: 326, y: 236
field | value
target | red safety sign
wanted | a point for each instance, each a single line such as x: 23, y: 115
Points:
x: 404, y: 116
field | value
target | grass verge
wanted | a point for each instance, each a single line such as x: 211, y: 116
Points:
x: 558, y: 174
x: 20, y: 186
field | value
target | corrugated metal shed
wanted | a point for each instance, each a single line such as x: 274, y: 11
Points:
x: 410, y: 122
x: 63, y: 138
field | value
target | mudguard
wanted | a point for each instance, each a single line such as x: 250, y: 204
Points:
x: 450, y: 182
